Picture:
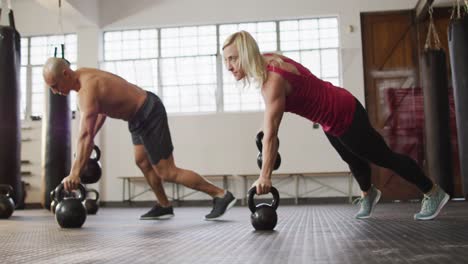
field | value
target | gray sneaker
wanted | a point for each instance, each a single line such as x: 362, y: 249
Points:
x: 221, y: 205
x: 368, y: 203
x: 432, y: 204
x: 158, y: 213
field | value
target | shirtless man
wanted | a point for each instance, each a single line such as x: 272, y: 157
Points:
x: 102, y: 94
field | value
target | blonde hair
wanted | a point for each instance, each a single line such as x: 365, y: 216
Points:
x: 54, y: 67
x: 250, y: 59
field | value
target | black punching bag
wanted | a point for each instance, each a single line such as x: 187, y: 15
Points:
x: 458, y: 46
x: 10, y: 131
x: 437, y: 118
x: 56, y: 135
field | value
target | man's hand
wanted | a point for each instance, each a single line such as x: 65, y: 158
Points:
x: 263, y: 185
x: 71, y: 182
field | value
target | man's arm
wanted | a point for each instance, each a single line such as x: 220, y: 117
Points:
x: 99, y: 122
x: 85, y: 141
x: 88, y: 127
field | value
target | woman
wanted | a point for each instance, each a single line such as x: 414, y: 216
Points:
x: 287, y: 86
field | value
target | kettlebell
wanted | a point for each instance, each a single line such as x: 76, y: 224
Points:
x: 70, y: 211
x: 7, y: 205
x: 92, y: 171
x: 53, y: 201
x: 264, y: 215
x: 277, y: 161
x: 91, y: 205
x: 258, y: 142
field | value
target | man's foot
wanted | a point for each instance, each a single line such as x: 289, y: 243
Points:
x: 221, y: 205
x: 368, y: 203
x: 158, y: 213
x: 432, y: 204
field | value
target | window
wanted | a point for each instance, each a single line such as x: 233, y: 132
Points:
x: 34, y: 53
x: 314, y: 43
x: 188, y: 69
x: 188, y: 41
x: 140, y: 72
x: 133, y: 54
x: 131, y: 44
x: 187, y: 55
x: 183, y: 65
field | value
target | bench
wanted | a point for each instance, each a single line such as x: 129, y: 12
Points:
x: 296, y: 177
x: 129, y: 181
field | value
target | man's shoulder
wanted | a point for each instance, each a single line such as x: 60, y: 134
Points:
x: 90, y: 75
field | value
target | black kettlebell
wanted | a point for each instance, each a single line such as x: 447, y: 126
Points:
x: 70, y: 211
x: 53, y: 201
x: 277, y: 161
x: 264, y: 215
x: 7, y: 205
x: 91, y: 205
x: 92, y: 171
x: 258, y: 142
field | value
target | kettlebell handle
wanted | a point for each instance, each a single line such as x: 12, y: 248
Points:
x: 8, y: 188
x: 90, y: 190
x: 259, y: 142
x: 98, y: 153
x: 274, y: 203
x: 97, y: 150
x: 52, y: 195
x: 61, y: 188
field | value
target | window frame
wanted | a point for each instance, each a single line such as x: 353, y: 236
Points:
x: 220, y: 68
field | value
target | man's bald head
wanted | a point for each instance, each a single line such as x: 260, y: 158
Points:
x: 58, y: 76
x: 54, y: 68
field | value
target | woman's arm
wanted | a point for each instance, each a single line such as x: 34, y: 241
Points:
x: 274, y: 95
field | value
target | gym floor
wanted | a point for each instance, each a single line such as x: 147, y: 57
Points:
x: 304, y: 234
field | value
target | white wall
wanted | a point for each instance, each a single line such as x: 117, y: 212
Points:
x: 210, y: 143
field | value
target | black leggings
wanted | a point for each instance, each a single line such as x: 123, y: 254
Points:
x: 362, y: 144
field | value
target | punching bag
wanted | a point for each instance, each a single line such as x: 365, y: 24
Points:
x: 10, y: 131
x: 56, y: 138
x: 437, y: 118
x: 458, y: 46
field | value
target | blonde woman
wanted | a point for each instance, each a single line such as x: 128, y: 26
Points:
x: 287, y: 86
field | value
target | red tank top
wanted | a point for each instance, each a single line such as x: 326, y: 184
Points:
x: 317, y: 100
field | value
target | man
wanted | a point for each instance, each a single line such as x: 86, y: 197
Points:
x: 102, y: 94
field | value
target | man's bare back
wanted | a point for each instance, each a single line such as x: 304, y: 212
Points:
x: 108, y: 94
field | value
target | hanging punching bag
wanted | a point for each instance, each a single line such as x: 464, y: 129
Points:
x: 437, y: 118
x: 458, y: 46
x: 56, y: 135
x: 10, y: 132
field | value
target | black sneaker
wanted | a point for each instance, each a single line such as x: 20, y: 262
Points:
x: 221, y: 205
x: 158, y: 213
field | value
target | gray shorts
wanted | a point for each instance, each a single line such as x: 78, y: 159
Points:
x: 149, y: 127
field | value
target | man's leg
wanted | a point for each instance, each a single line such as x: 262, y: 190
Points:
x: 222, y: 200
x: 156, y: 138
x: 168, y: 171
x: 155, y: 182
x: 164, y: 209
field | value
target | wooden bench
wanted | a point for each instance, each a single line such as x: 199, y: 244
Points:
x: 296, y: 176
x: 129, y: 181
